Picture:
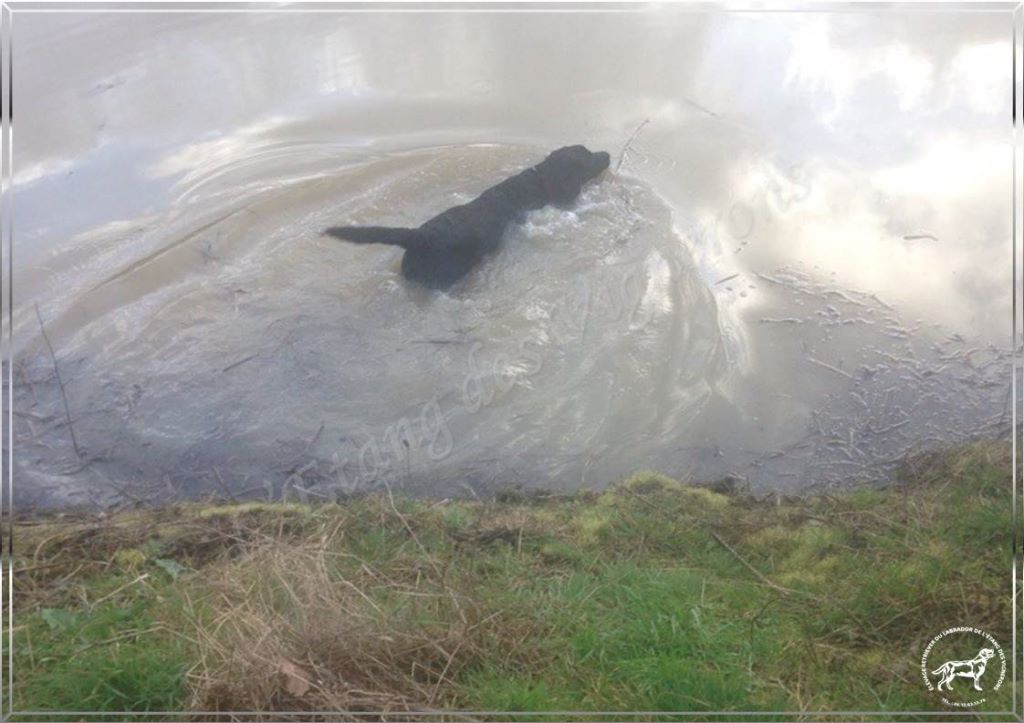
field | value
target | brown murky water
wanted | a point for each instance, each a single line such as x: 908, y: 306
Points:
x: 800, y: 271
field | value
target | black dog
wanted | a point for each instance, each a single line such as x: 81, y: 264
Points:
x: 445, y: 248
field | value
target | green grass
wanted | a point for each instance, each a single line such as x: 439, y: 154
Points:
x: 106, y: 657
x: 651, y: 596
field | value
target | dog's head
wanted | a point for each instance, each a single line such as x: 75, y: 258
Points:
x: 986, y: 653
x: 568, y: 169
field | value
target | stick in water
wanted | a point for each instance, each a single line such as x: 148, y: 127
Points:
x: 625, y: 148
x: 60, y: 383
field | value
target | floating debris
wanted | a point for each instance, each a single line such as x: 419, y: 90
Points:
x: 825, y: 365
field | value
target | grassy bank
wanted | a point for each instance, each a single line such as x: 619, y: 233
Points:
x: 651, y: 596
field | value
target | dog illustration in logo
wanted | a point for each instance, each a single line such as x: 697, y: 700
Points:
x: 973, y: 669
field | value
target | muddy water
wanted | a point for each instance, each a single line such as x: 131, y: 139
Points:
x: 799, y: 271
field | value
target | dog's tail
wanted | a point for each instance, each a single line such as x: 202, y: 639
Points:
x: 941, y: 670
x: 405, y: 237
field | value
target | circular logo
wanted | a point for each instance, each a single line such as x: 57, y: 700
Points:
x: 960, y: 664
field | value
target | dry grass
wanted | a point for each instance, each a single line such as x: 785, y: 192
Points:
x: 283, y: 630
x: 303, y: 623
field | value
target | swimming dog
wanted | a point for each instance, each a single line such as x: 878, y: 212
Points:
x: 448, y: 246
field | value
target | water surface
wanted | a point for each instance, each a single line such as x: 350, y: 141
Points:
x: 799, y: 271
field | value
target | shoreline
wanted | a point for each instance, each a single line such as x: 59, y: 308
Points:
x: 650, y: 595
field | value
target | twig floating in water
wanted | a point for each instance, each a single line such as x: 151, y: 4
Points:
x: 229, y: 367
x: 223, y: 485
x: 698, y: 106
x: 727, y: 278
x: 60, y: 382
x: 625, y: 148
x: 920, y: 237
x: 837, y: 370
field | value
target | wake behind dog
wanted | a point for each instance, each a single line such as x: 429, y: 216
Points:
x: 448, y: 246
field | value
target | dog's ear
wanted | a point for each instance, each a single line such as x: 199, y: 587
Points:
x: 561, y: 186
